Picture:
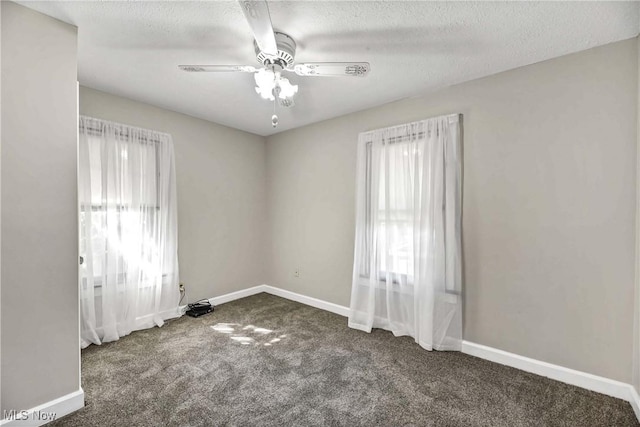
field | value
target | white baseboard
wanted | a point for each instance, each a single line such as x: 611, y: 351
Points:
x: 41, y: 414
x: 570, y: 376
x: 581, y: 379
x: 313, y: 302
x: 634, y: 400
x: 236, y: 295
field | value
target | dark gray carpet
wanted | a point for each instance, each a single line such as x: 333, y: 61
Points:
x: 267, y: 361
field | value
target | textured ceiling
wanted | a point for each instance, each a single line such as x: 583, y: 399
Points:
x: 132, y: 49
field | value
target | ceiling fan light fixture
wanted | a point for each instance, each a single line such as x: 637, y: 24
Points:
x: 270, y: 83
x: 264, y: 94
x: 287, y: 90
x: 265, y: 83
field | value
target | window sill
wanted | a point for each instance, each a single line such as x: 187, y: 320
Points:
x: 450, y: 297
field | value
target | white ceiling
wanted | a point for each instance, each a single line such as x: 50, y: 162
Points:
x: 132, y: 49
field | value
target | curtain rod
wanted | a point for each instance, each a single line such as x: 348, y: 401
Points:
x: 123, y: 129
x: 451, y: 118
x: 401, y: 138
x: 121, y: 133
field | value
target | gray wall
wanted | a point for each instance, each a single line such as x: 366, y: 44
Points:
x: 221, y: 175
x: 548, y: 211
x: 40, y: 329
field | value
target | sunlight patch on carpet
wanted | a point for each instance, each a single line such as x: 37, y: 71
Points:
x: 249, y: 334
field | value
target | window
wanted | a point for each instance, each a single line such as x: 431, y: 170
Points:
x: 407, y: 269
x: 128, y: 229
x: 392, y: 179
x: 112, y: 216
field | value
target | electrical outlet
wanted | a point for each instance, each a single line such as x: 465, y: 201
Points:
x: 296, y: 272
x: 181, y: 287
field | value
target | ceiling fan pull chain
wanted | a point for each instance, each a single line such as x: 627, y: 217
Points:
x: 274, y: 118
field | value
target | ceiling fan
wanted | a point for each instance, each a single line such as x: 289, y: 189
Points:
x: 276, y: 52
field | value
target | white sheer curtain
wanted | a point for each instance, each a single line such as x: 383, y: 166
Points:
x: 128, y: 230
x: 407, y: 263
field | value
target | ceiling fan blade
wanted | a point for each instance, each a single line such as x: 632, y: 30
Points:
x: 218, y: 68
x: 257, y: 14
x: 356, y: 69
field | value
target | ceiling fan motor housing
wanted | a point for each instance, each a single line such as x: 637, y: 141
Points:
x: 286, y: 51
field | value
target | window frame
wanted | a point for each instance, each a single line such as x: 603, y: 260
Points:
x: 126, y: 137
x: 365, y: 268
